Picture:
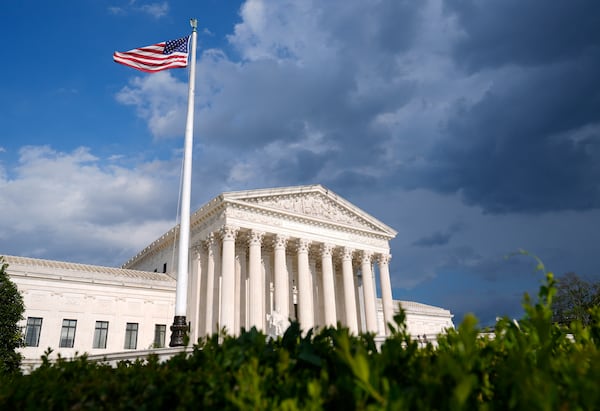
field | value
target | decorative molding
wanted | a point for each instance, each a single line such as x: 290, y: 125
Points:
x: 303, y: 245
x: 211, y: 244
x: 280, y: 241
x: 313, y: 205
x: 374, y: 241
x: 228, y: 232
x: 253, y: 217
x: 366, y: 257
x: 384, y: 259
x: 255, y: 237
x: 326, y: 250
x: 197, y: 251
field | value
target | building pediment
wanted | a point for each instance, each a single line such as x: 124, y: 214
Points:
x: 310, y: 205
x: 310, y: 202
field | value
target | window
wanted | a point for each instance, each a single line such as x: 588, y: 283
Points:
x: 67, y: 334
x: 160, y: 331
x: 131, y: 332
x: 164, y: 267
x: 100, y: 334
x: 32, y: 332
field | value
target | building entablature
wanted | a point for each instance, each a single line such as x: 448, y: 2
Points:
x: 59, y: 272
x: 306, y: 212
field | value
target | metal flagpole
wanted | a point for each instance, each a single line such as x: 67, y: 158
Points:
x: 179, y: 328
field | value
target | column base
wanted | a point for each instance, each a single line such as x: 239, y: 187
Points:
x: 179, y: 331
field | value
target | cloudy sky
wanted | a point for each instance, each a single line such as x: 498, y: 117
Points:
x: 471, y: 127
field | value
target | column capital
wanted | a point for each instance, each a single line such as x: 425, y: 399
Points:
x: 384, y: 258
x: 303, y: 245
x: 366, y: 256
x: 280, y: 241
x: 346, y: 253
x: 326, y: 249
x: 197, y: 251
x: 210, y: 243
x: 228, y: 232
x: 255, y: 237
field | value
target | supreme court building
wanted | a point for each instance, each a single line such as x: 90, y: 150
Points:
x: 257, y: 259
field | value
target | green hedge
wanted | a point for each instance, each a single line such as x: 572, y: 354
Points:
x: 532, y: 364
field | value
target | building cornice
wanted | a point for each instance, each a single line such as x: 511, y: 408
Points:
x: 346, y: 217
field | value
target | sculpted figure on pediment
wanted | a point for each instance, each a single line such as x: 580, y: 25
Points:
x: 313, y: 205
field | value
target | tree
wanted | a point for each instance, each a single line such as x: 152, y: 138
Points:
x: 574, y: 298
x: 11, y: 312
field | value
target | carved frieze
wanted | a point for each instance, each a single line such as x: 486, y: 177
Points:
x: 313, y: 205
x: 253, y: 217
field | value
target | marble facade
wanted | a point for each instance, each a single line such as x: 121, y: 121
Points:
x: 263, y: 256
x: 257, y: 259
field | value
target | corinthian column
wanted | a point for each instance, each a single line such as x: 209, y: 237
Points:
x: 386, y: 290
x: 195, y: 294
x: 212, y: 246
x: 306, y: 314
x: 228, y: 313
x: 349, y: 295
x: 282, y: 285
x: 369, y: 290
x: 328, y: 285
x: 256, y: 290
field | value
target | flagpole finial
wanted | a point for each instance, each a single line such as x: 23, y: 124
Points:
x: 194, y: 24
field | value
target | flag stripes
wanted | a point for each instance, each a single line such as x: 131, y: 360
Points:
x: 157, y: 57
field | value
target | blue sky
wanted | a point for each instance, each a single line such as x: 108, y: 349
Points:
x: 473, y: 129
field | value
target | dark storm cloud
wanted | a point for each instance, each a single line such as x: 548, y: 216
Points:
x: 436, y: 239
x: 524, y: 32
x: 531, y: 144
x: 439, y: 238
x: 384, y: 29
x: 269, y: 101
x: 302, y: 167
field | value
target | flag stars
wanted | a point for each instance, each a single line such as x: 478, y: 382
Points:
x: 179, y: 45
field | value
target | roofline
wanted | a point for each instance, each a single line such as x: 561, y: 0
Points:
x: 230, y: 197
x: 319, y: 188
x: 71, y: 270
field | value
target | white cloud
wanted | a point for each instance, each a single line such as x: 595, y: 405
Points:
x: 156, y: 10
x: 161, y: 100
x: 72, y: 205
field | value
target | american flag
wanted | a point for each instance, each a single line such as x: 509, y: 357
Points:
x: 161, y: 56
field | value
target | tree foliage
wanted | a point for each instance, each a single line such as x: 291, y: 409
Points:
x: 574, y: 298
x: 11, y: 312
x: 530, y: 364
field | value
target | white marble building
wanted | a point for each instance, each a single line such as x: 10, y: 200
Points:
x: 257, y: 258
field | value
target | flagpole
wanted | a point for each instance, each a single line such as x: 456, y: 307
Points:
x: 179, y: 328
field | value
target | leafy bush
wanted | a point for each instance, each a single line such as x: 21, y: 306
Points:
x: 11, y: 312
x: 532, y: 364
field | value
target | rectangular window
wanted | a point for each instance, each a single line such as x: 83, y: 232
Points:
x: 33, y: 331
x: 67, y: 334
x: 100, y: 334
x: 160, y: 331
x: 131, y: 332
